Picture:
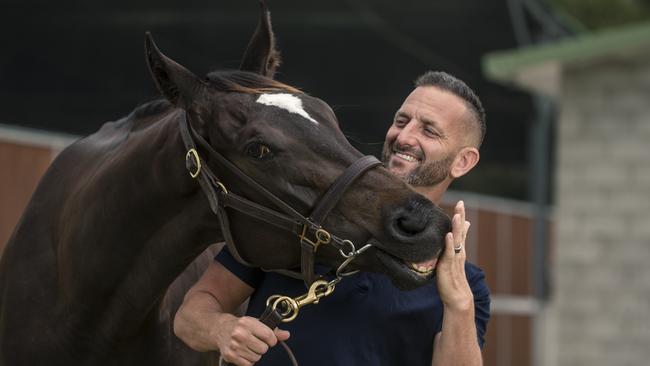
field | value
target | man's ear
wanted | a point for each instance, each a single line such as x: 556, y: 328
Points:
x: 262, y: 56
x: 465, y: 160
x: 175, y: 82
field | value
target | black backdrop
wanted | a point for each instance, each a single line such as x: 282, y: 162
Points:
x: 69, y: 66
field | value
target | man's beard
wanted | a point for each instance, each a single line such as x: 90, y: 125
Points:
x: 423, y: 175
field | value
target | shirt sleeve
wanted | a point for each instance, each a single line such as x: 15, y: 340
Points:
x: 476, y: 279
x: 251, y: 275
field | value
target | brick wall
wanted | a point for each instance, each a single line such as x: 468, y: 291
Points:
x: 600, y: 312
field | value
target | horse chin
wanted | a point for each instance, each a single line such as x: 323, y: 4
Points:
x: 402, y: 274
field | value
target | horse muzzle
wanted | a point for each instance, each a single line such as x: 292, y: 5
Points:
x: 414, y: 238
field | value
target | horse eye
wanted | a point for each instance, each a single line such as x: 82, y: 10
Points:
x: 258, y: 150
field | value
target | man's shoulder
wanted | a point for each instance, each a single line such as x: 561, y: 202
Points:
x: 473, y: 270
x: 251, y: 275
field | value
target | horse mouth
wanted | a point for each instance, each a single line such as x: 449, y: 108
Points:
x: 425, y: 268
x: 405, y: 274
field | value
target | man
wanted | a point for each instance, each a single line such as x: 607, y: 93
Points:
x: 433, y: 140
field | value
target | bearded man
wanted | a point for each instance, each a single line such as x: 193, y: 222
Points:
x: 434, y: 139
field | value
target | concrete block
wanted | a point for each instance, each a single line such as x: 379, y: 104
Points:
x: 601, y: 269
x: 570, y: 122
x: 606, y: 173
x: 581, y: 150
x: 604, y: 227
x: 639, y: 229
x: 633, y: 200
x: 639, y: 172
x: 629, y: 149
x: 642, y: 125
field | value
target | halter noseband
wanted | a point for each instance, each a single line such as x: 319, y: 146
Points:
x: 308, y: 229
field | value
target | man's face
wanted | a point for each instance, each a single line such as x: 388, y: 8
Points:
x: 425, y: 136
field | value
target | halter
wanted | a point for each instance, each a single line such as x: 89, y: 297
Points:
x: 308, y: 229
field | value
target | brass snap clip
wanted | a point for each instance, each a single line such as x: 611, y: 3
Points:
x: 288, y: 307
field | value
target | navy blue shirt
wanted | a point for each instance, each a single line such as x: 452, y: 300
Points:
x: 365, y: 321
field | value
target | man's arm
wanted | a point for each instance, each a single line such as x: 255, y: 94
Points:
x: 456, y: 344
x: 205, y: 321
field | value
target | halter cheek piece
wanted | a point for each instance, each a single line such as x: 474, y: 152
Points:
x: 308, y: 229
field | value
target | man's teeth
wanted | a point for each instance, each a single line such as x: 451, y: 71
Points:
x: 406, y: 157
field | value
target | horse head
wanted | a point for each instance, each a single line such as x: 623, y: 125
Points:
x: 290, y: 143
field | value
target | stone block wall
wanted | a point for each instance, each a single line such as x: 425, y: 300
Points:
x: 600, y: 310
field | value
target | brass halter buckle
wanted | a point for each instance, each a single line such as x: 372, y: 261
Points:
x: 321, y: 236
x: 193, y: 156
x: 288, y: 307
x: 192, y: 160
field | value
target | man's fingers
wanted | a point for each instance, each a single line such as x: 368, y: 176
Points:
x: 281, y: 335
x: 449, y: 245
x: 264, y: 333
x: 465, y: 231
x: 258, y: 346
x: 249, y: 355
x: 458, y: 223
x: 235, y: 358
x: 457, y: 230
x: 459, y: 209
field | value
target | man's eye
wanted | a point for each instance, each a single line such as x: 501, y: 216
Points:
x: 431, y: 132
x: 258, y: 150
x: 400, y: 122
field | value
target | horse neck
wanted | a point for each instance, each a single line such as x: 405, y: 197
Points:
x: 155, y: 221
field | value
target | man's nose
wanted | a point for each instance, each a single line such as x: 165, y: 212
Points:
x: 407, y: 135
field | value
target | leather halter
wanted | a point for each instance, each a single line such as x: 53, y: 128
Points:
x: 308, y: 229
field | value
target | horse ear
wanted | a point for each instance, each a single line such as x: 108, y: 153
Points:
x: 261, y: 56
x: 175, y: 82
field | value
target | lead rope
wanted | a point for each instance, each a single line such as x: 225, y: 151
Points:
x: 283, y: 309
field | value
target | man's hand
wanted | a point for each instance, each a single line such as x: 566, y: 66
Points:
x: 456, y: 344
x: 205, y: 321
x: 453, y: 287
x: 243, y: 341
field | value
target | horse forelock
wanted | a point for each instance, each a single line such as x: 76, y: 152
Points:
x: 247, y: 82
x: 234, y: 81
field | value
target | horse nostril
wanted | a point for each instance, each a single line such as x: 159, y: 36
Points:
x: 417, y: 222
x: 411, y: 224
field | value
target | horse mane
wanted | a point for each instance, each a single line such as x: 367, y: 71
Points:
x: 151, y: 108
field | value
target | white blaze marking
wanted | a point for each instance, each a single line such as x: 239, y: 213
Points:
x: 288, y: 102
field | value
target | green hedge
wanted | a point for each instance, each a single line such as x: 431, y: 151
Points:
x: 599, y: 14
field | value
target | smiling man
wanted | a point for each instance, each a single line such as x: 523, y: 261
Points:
x: 434, y: 139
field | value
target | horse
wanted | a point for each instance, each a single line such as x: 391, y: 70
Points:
x: 119, y: 228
